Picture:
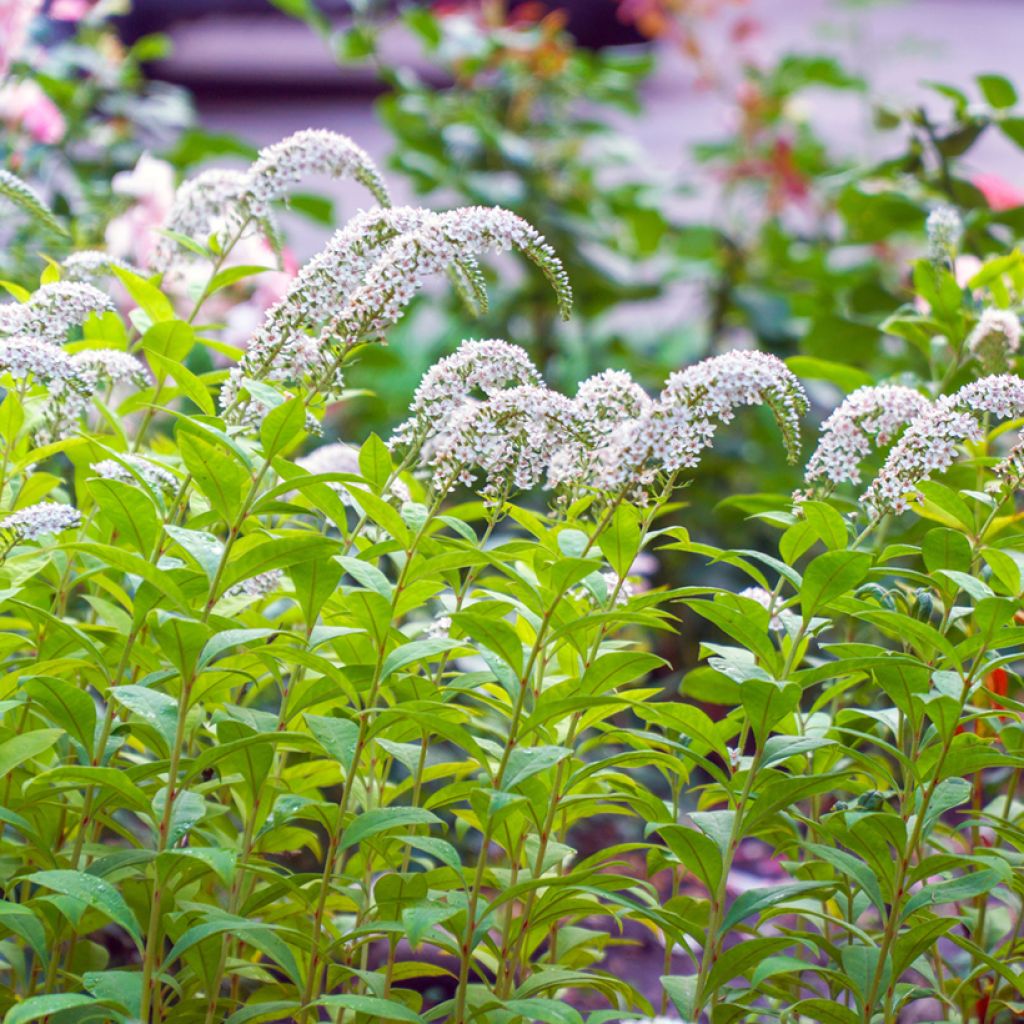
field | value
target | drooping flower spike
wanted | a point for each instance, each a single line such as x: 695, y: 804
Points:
x: 682, y: 422
x: 129, y: 469
x: 222, y: 203
x: 869, y: 417
x: 38, y: 520
x: 53, y: 310
x: 929, y: 445
x: 372, y: 271
x: 90, y: 265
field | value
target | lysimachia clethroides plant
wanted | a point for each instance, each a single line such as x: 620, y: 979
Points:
x: 307, y: 732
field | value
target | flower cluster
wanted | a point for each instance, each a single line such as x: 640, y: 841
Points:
x: 930, y: 443
x: 313, y: 151
x: 944, y: 228
x: 510, y: 439
x: 484, y: 410
x: 31, y: 357
x: 223, y: 203
x: 91, y: 265
x: 366, y: 277
x: 869, y: 416
x: 130, y: 469
x: 995, y: 338
x: 682, y: 422
x: 38, y: 520
x: 53, y: 310
x: 92, y: 370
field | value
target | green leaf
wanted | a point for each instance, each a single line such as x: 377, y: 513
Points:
x: 338, y: 736
x: 825, y: 1011
x: 94, y: 892
x: 830, y: 576
x: 153, y: 707
x: 146, y: 295
x: 171, y: 340
x: 418, y: 650
x: 375, y: 463
x: 218, y: 475
x: 620, y: 540
x: 283, y: 427
x: 378, y: 1009
x: 128, y: 510
x: 66, y: 705
x: 701, y: 855
x: 845, y: 377
x: 37, y: 1007
x: 494, y: 634
x: 525, y: 762
x: 232, y: 275
x: 755, y: 900
x: 997, y: 90
x: 19, y: 749
x: 384, y: 819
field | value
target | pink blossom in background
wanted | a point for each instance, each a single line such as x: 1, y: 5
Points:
x: 132, y: 235
x: 69, y: 10
x: 243, y: 318
x: 15, y: 18
x: 999, y: 193
x: 24, y: 105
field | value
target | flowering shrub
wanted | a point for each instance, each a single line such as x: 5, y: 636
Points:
x: 299, y: 732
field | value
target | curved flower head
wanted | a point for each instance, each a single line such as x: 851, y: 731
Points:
x: 90, y: 265
x: 475, y: 369
x: 868, y: 417
x: 995, y: 339
x: 929, y: 445
x: 684, y: 419
x: 438, y: 244
x: 52, y: 310
x: 208, y: 204
x: 41, y: 519
x: 372, y: 270
x: 226, y: 202
x: 509, y: 439
x: 312, y: 151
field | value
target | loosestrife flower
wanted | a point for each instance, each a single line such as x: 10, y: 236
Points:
x: 91, y: 265
x: 373, y: 278
x: 223, y: 203
x: 343, y: 458
x: 131, y: 467
x: 313, y: 151
x: 944, y: 229
x: 509, y: 439
x: 995, y: 338
x: 930, y: 443
x: 869, y: 416
x: 682, y: 422
x: 24, y: 357
x: 53, y: 310
x: 38, y: 520
x: 603, y: 405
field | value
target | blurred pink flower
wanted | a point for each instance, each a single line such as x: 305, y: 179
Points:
x: 24, y: 105
x: 999, y: 193
x: 69, y: 10
x: 132, y: 235
x: 15, y: 18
